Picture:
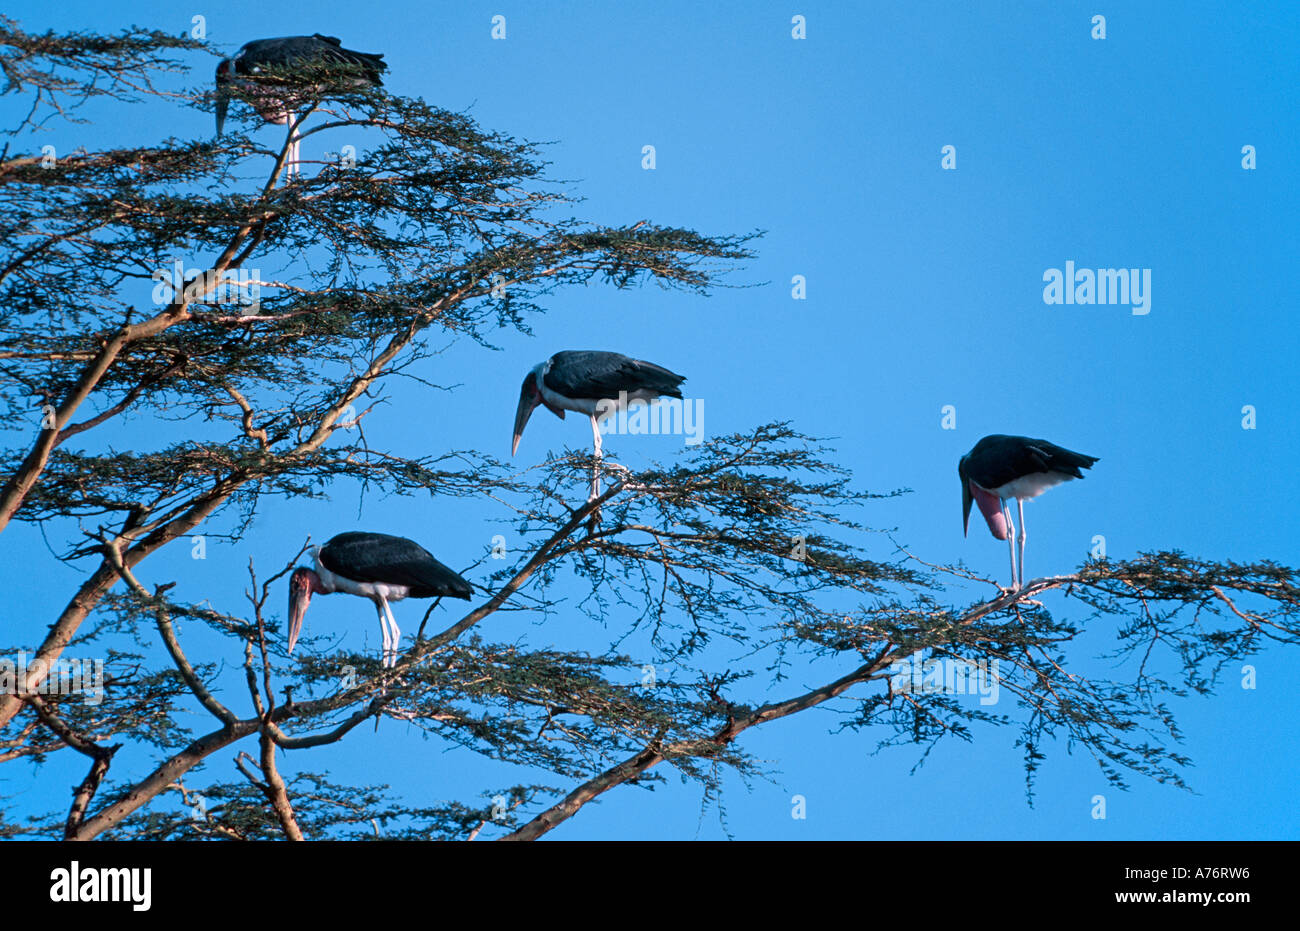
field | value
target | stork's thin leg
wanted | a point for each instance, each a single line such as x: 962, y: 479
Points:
x: 381, y: 608
x: 392, y: 634
x: 595, y: 466
x: 291, y: 156
x: 288, y: 146
x: 593, y: 522
x: 1011, y: 543
x: 383, y: 625
x: 1020, y: 506
x: 395, y: 638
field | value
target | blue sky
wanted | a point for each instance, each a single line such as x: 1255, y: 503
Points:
x: 924, y: 289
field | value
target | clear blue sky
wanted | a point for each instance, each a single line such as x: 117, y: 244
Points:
x: 924, y: 289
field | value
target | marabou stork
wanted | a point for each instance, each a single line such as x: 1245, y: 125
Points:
x: 377, y: 566
x: 593, y: 383
x: 265, y: 71
x: 1000, y: 468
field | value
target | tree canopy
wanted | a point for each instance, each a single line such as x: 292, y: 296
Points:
x: 437, y: 232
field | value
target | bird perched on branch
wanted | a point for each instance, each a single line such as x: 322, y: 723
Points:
x: 1000, y: 468
x: 378, y: 566
x: 594, y: 383
x: 280, y: 76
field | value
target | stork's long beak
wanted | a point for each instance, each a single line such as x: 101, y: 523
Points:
x: 299, y: 598
x: 966, y: 499
x: 527, y: 404
x: 223, y: 104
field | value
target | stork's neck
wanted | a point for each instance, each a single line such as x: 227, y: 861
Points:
x: 554, y: 402
x: 324, y: 582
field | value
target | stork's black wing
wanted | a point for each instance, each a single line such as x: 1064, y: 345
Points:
x: 381, y: 557
x: 587, y: 373
x: 318, y: 49
x: 999, y: 459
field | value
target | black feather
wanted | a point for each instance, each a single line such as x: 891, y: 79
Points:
x: 998, y: 459
x: 317, y: 50
x: 381, y: 557
x: 589, y: 373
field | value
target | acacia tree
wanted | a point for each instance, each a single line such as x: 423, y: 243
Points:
x: 440, y: 229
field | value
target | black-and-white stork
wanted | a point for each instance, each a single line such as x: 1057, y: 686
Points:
x: 593, y: 383
x: 377, y: 566
x: 265, y: 70
x: 1000, y: 468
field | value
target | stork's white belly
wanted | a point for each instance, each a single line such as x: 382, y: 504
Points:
x: 371, y: 589
x: 1030, y: 486
x: 337, y: 583
x: 556, y: 401
x: 591, y: 407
